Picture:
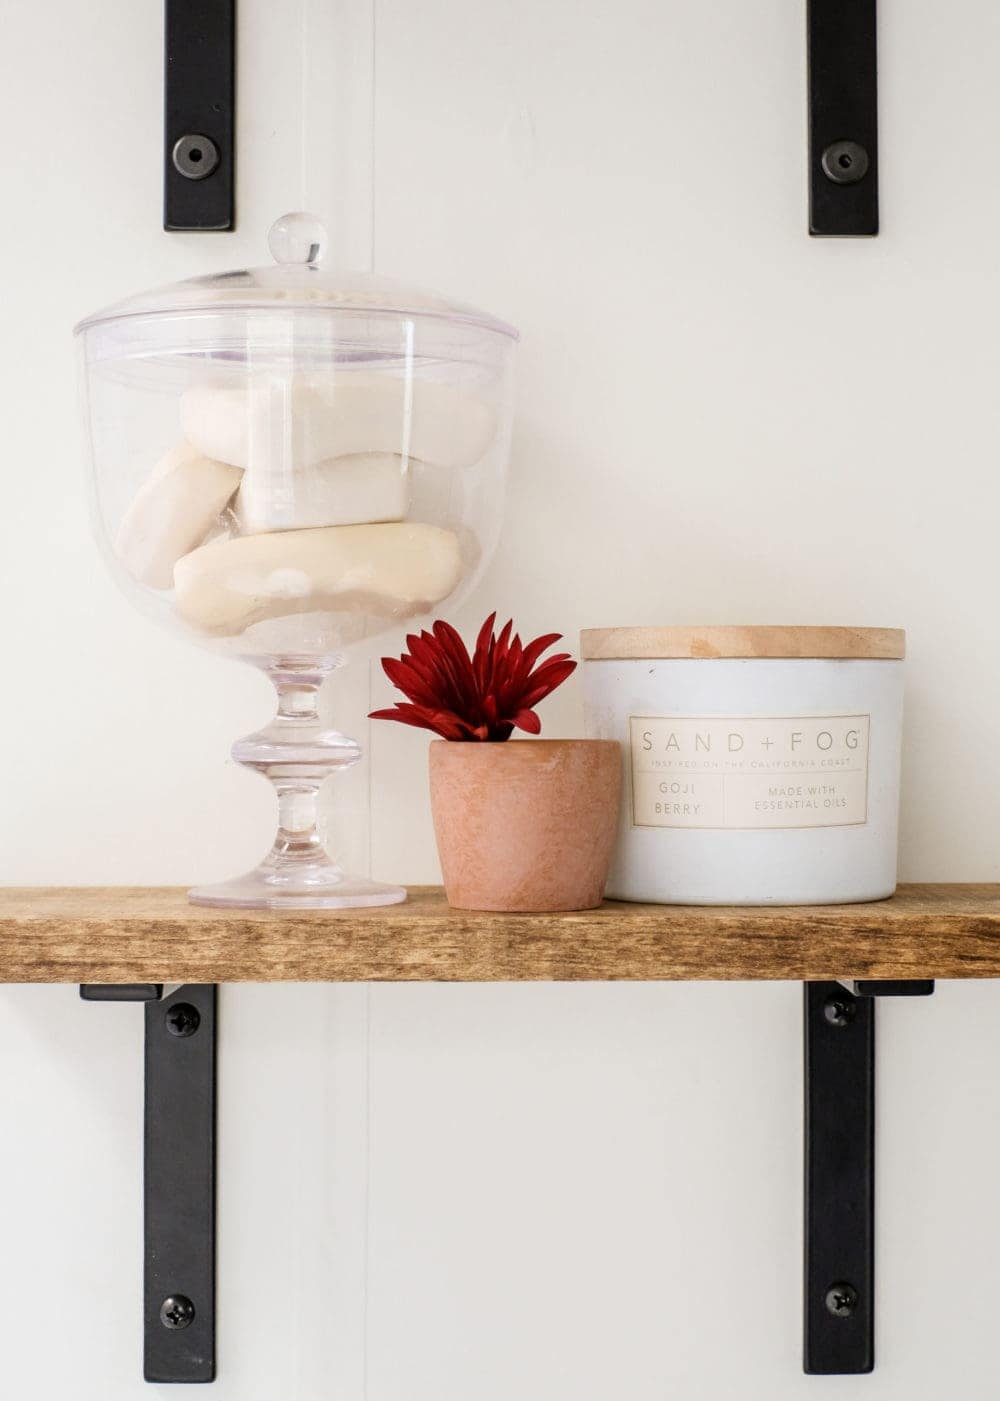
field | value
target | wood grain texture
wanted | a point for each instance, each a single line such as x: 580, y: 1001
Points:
x: 154, y: 935
x: 848, y: 644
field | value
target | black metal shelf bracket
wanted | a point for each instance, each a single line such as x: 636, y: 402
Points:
x: 121, y: 992
x: 178, y: 1176
x: 839, y: 1290
x: 843, y: 117
x: 199, y: 126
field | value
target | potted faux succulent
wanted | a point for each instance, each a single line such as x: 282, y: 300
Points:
x: 520, y: 824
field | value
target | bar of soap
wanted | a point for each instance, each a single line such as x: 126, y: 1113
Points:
x: 365, y: 487
x: 294, y: 422
x: 173, y: 513
x: 394, y: 571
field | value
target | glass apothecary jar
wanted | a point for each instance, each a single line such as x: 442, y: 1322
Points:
x: 287, y: 464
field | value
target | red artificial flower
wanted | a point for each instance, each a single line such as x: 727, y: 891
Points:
x: 482, y: 697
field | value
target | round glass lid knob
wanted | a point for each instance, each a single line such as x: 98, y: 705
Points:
x: 297, y: 238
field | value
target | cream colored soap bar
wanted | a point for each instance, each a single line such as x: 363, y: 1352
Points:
x: 395, y: 570
x: 365, y: 487
x: 172, y: 513
x: 294, y: 422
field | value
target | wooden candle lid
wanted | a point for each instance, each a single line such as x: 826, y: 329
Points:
x: 839, y: 644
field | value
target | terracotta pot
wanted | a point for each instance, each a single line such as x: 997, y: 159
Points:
x: 526, y: 824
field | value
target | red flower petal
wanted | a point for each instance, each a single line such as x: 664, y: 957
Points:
x: 479, y: 697
x: 541, y: 644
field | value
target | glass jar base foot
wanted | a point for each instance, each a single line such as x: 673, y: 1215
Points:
x: 323, y: 888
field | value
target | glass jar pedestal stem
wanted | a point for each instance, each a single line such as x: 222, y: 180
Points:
x: 298, y: 754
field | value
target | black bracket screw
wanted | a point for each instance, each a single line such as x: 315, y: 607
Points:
x: 182, y: 1019
x: 841, y: 1300
x: 845, y: 162
x: 177, y: 1312
x: 195, y: 156
x: 840, y: 1010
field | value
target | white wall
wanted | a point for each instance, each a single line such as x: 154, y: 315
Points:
x: 555, y: 1193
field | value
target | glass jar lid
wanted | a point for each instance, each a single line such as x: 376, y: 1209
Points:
x: 296, y: 280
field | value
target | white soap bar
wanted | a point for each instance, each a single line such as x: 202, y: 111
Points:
x: 296, y: 421
x: 395, y: 570
x: 172, y: 513
x: 368, y: 486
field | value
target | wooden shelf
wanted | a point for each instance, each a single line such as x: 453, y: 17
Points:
x: 153, y: 935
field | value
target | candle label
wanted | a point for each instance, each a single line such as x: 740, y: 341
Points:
x: 749, y: 772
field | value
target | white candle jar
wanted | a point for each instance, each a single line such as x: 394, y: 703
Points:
x: 761, y: 764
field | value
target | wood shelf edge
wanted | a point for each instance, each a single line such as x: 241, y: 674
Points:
x: 154, y: 935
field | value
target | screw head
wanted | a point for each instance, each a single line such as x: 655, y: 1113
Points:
x: 195, y: 156
x: 841, y: 1300
x: 840, y: 1009
x: 182, y: 1019
x: 845, y: 162
x: 177, y: 1311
